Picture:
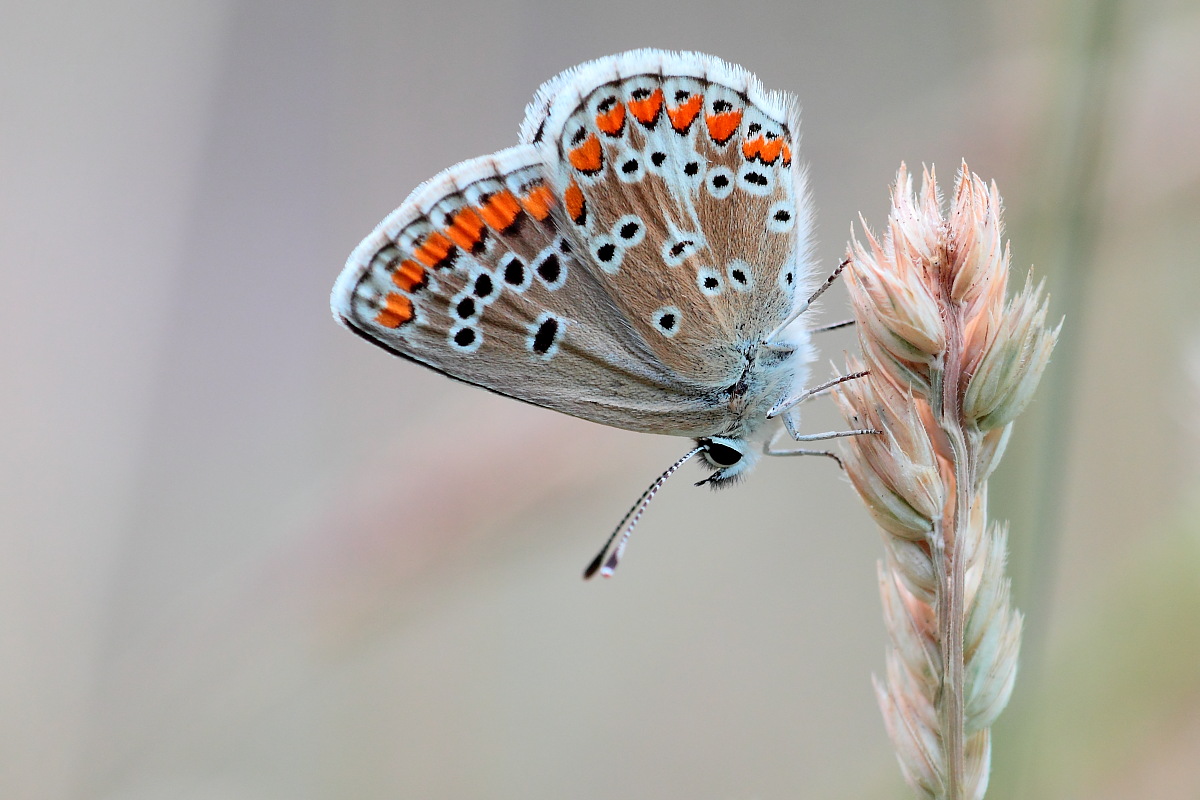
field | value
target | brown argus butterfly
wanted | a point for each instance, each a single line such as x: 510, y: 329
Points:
x: 641, y: 259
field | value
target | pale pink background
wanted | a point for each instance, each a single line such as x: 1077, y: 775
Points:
x: 245, y: 555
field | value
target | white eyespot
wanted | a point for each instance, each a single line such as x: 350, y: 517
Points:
x: 719, y: 182
x: 787, y: 279
x: 692, y: 169
x: 741, y: 275
x: 544, y: 335
x: 514, y: 273
x: 629, y: 230
x: 710, y: 281
x: 465, y: 338
x: 666, y: 320
x: 781, y: 217
x: 658, y: 159
x: 629, y: 166
x: 756, y: 179
x: 677, y: 249
x: 607, y: 253
x: 551, y: 268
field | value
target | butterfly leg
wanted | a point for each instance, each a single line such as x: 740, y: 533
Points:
x: 817, y: 437
x: 800, y: 309
x: 771, y: 448
x: 816, y: 391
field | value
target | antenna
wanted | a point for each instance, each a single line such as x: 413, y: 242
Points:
x: 631, y: 517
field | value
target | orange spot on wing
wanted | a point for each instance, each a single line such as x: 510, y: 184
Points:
x: 396, y: 311
x: 466, y: 229
x: 766, y: 151
x: 722, y: 126
x: 770, y: 151
x: 787, y: 155
x: 500, y: 211
x: 576, y: 205
x: 647, y: 109
x: 684, y: 115
x: 612, y: 121
x: 588, y: 157
x: 434, y: 250
x: 538, y: 202
x: 409, y: 276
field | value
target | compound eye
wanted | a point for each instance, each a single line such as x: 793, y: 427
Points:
x: 722, y: 455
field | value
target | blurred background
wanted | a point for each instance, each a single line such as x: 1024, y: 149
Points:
x: 246, y: 555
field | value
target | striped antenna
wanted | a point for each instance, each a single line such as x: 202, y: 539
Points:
x: 625, y: 527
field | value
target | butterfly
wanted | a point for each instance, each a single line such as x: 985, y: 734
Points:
x: 640, y: 259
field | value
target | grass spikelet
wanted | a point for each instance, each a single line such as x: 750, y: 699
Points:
x: 951, y: 364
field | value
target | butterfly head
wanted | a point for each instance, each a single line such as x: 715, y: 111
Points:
x: 730, y: 459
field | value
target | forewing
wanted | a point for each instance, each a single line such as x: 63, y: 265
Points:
x: 473, y: 277
x: 676, y: 174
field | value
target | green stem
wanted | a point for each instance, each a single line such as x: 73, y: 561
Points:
x: 951, y: 597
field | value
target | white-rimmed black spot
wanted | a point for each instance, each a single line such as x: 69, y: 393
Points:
x: 465, y: 308
x: 629, y: 230
x: 780, y: 218
x: 485, y: 287
x: 543, y: 338
x: 787, y: 279
x: 544, y: 335
x: 657, y: 158
x: 514, y: 272
x: 709, y: 281
x: 666, y: 320
x: 551, y: 268
x: 691, y: 169
x: 719, y: 182
x: 756, y: 180
x: 465, y: 339
x: 676, y: 251
x: 630, y: 168
x: 741, y: 275
x: 607, y: 253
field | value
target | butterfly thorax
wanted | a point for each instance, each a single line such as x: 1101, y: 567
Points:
x: 769, y: 374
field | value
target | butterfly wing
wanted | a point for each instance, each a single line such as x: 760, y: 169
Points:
x: 589, y: 288
x: 472, y: 276
x: 676, y: 174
